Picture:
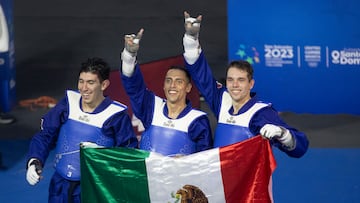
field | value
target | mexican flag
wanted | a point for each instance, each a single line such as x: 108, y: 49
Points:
x: 233, y: 174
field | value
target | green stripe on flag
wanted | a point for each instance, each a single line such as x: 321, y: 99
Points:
x: 101, y: 168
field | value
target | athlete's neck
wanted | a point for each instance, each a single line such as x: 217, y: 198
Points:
x: 90, y: 107
x: 174, y: 110
x: 238, y: 105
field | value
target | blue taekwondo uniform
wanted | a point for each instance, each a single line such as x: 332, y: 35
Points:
x: 188, y: 133
x: 249, y: 119
x: 65, y: 126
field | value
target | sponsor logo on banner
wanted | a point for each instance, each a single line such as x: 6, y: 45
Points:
x: 347, y: 56
x: 312, y: 55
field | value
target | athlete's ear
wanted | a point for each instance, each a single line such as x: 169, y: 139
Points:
x: 188, y: 87
x: 105, y: 84
x: 252, y: 83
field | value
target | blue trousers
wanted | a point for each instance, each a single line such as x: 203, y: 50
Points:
x: 62, y: 190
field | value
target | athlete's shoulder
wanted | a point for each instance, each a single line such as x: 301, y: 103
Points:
x: 119, y: 104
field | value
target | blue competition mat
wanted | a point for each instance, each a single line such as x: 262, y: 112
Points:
x: 321, y: 175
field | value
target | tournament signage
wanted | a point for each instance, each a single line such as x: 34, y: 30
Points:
x: 306, y: 54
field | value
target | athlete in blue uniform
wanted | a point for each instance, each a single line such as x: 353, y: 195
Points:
x: 172, y: 126
x: 83, y: 116
x: 240, y: 115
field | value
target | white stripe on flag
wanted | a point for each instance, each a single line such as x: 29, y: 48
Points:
x: 200, y: 169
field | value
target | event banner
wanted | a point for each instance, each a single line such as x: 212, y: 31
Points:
x: 305, y: 54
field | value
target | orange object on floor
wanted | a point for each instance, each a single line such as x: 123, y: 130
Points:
x: 42, y: 102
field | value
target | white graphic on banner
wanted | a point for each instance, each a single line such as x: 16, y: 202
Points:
x: 278, y: 55
x: 347, y: 56
x: 312, y: 55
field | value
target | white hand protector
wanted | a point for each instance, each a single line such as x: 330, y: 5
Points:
x: 90, y: 145
x: 33, y: 173
x: 283, y: 135
x: 132, y: 42
x: 191, y: 43
x: 128, y: 56
x: 192, y: 25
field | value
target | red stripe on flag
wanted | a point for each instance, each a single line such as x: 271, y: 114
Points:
x: 246, y: 170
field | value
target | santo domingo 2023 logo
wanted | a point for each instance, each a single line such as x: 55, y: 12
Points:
x: 249, y: 54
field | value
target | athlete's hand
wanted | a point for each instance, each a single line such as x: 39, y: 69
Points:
x: 128, y: 55
x: 90, y: 145
x: 283, y: 135
x: 132, y: 42
x: 33, y: 173
x: 192, y: 25
x: 270, y: 131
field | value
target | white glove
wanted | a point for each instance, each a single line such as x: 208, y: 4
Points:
x: 128, y: 55
x: 283, y: 135
x: 132, y: 42
x: 192, y: 48
x: 90, y: 145
x: 192, y: 25
x: 33, y: 173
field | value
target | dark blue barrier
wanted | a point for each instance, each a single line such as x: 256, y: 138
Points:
x: 7, y: 64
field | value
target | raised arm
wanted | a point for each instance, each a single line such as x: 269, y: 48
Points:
x: 198, y: 66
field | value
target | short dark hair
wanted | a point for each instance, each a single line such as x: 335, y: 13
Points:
x: 242, y: 65
x: 187, y: 74
x: 96, y: 66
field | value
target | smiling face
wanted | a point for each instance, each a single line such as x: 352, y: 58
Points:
x: 239, y: 85
x: 91, y: 89
x: 176, y: 86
